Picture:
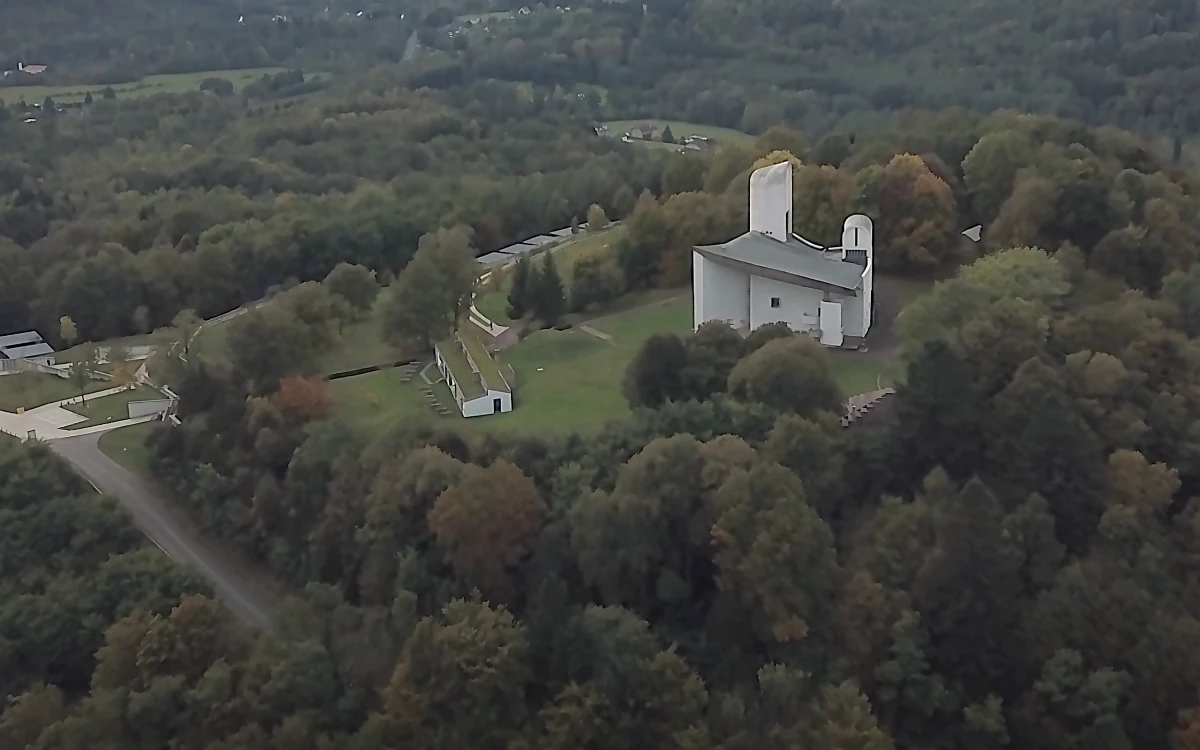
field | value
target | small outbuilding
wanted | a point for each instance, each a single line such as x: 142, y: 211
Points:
x: 27, y: 346
x: 474, y: 377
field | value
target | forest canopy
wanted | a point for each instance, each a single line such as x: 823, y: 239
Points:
x: 1003, y: 557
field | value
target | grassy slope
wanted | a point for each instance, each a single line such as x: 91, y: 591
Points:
x: 361, y: 345
x: 112, y: 408
x: 148, y: 86
x: 30, y: 389
x: 570, y: 380
x: 127, y: 446
x: 378, y: 401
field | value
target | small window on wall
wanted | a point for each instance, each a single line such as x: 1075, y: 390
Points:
x: 774, y: 302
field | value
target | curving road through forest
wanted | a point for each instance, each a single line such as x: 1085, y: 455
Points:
x: 234, y: 583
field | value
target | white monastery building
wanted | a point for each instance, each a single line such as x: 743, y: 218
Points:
x: 771, y: 275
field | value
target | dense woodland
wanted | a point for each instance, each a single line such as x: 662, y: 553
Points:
x: 813, y: 64
x: 1005, y: 559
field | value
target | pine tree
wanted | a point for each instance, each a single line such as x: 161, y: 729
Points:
x: 548, y: 301
x: 520, y: 293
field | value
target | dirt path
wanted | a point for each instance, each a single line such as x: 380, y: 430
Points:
x: 598, y: 334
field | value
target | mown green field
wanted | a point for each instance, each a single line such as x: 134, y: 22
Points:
x: 379, y: 401
x: 112, y: 408
x: 127, y: 446
x: 30, y: 389
x: 681, y: 129
x: 174, y: 83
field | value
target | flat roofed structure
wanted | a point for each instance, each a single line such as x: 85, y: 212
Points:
x: 519, y: 248
x: 493, y: 259
x: 27, y: 345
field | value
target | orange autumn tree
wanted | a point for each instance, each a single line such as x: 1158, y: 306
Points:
x: 486, y: 524
x: 913, y: 211
x: 306, y: 399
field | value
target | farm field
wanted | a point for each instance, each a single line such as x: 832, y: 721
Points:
x: 682, y: 129
x: 112, y: 408
x: 173, y: 83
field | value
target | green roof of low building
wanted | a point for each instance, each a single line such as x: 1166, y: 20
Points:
x: 472, y: 384
x: 493, y: 378
x: 460, y: 369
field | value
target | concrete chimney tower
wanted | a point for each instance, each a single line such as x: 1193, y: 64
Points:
x: 771, y: 201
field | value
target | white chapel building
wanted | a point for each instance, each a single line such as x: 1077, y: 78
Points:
x: 771, y: 275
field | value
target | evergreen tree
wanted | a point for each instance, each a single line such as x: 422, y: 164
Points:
x: 548, y: 301
x: 667, y: 135
x: 519, y: 292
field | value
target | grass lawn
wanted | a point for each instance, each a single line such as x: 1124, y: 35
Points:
x: 127, y: 446
x: 112, y: 408
x: 75, y: 353
x: 30, y: 389
x: 859, y: 372
x: 571, y: 380
x: 493, y: 300
x: 212, y: 343
x: 378, y: 401
x: 361, y: 345
x: 681, y: 129
x: 174, y: 83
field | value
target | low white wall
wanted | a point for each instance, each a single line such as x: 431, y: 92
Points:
x: 146, y: 408
x: 486, y: 404
x: 799, y: 306
x: 831, y: 323
x: 719, y: 293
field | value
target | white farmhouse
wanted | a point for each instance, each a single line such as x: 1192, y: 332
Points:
x: 771, y: 275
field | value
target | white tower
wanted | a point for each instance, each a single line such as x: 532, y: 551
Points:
x: 857, y: 234
x: 771, y: 201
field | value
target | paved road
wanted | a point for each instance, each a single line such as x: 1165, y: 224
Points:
x: 244, y: 598
x: 411, y: 48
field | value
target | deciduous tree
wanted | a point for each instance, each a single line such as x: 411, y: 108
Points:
x: 990, y: 170
x: 913, y: 212
x: 790, y: 374
x: 354, y: 283
x: 485, y: 525
x: 766, y: 523
x: 305, y: 399
x: 656, y: 373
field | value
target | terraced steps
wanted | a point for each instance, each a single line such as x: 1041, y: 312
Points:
x: 859, y: 406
